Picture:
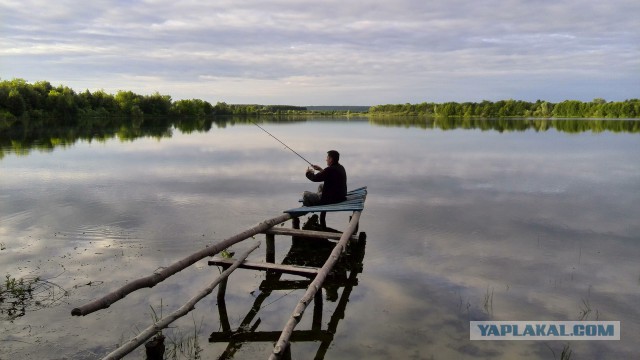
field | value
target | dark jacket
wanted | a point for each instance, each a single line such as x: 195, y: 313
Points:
x: 335, y: 183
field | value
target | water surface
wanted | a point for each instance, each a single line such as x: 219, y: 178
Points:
x: 468, y: 221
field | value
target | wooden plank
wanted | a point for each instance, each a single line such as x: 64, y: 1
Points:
x: 270, y: 336
x: 268, y: 285
x: 306, y: 233
x: 343, y: 206
x: 289, y: 269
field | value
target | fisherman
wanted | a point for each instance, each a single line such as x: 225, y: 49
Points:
x: 334, y: 188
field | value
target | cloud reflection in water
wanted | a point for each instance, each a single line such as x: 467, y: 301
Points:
x: 540, y: 222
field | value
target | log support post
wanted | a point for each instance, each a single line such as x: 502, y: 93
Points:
x: 154, y: 348
x: 316, y: 325
x: 295, y: 223
x: 271, y: 248
x: 357, y: 224
x: 222, y: 306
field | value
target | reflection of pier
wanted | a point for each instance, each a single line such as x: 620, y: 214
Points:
x: 304, y: 258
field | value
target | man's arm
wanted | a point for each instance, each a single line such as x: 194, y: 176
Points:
x: 321, y: 176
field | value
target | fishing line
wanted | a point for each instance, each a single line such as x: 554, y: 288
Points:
x: 281, y: 142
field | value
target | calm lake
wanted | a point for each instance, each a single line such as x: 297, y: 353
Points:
x: 465, y: 221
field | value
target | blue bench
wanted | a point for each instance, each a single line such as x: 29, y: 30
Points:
x: 355, y: 202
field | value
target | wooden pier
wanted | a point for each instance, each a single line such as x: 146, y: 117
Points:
x: 303, y: 250
x: 355, y: 202
x: 331, y: 275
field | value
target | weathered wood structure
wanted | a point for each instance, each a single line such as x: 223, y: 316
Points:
x: 315, y: 280
x: 355, y: 202
x: 303, y: 250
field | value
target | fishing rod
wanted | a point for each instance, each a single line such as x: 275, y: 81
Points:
x: 282, y: 143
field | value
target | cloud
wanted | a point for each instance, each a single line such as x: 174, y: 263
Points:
x: 363, y: 52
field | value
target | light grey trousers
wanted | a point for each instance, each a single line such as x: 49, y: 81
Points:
x: 310, y: 198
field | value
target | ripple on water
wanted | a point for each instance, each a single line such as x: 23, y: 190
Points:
x: 17, y: 217
x: 101, y: 232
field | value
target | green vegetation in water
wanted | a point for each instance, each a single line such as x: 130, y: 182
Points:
x: 17, y: 296
x: 488, y: 301
x: 565, y: 354
x: 226, y: 254
x: 183, y: 346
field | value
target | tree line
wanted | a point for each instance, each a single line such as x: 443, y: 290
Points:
x: 20, y: 99
x: 598, y: 108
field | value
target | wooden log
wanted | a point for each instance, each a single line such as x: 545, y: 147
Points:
x: 149, y: 332
x: 289, y: 269
x: 151, y: 280
x: 281, y: 346
x: 307, y: 233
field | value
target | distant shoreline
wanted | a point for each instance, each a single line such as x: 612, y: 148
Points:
x: 21, y: 101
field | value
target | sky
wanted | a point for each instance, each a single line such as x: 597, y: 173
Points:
x: 329, y: 52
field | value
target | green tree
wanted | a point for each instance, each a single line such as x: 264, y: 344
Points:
x: 155, y: 104
x: 126, y: 101
x: 15, y: 103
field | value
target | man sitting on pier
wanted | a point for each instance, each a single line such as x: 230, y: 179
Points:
x: 334, y: 189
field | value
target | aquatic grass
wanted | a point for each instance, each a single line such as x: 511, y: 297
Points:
x: 185, y: 346
x: 585, y: 308
x: 226, y: 254
x: 155, y: 318
x: 175, y: 347
x: 466, y: 306
x: 488, y: 301
x: 17, y: 296
x: 565, y: 354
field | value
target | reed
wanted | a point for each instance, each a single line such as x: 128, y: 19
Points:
x: 488, y: 301
x: 185, y: 346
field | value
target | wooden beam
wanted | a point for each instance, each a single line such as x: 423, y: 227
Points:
x: 155, y: 278
x: 302, y: 284
x: 288, y: 269
x: 306, y: 233
x: 269, y: 336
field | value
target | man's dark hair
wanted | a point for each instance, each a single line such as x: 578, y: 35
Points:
x: 334, y: 155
